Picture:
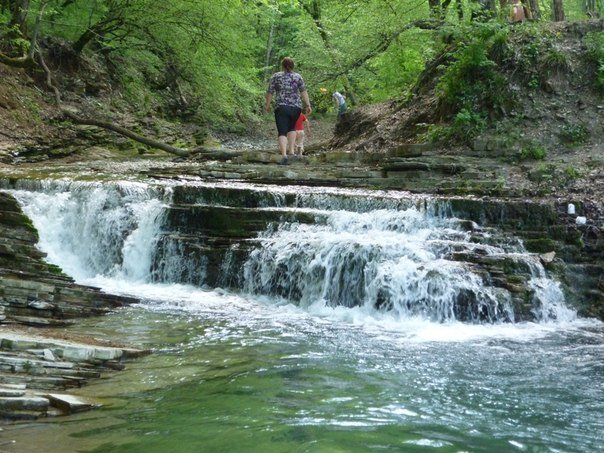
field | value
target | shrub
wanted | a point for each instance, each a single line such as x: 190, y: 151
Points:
x: 574, y: 134
x: 595, y: 50
x: 572, y: 173
x: 468, y: 124
x: 472, y: 88
x: 534, y: 152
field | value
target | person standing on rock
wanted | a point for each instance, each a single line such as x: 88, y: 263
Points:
x: 289, y: 89
x: 340, y: 102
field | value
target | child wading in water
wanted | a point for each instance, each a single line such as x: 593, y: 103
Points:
x: 300, y: 133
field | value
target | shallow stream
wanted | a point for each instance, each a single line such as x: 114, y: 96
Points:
x: 248, y: 370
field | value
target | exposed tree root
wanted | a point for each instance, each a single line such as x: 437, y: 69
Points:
x: 126, y: 133
x: 105, y: 124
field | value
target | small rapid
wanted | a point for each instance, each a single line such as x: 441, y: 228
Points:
x: 405, y: 257
x: 344, y: 320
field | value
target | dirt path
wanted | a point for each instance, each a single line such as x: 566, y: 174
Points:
x: 263, y: 136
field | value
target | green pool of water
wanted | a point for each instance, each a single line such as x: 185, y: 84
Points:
x: 277, y: 379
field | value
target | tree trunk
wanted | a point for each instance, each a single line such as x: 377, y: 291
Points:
x: 558, y: 11
x: 19, y: 10
x: 435, y: 10
x: 269, y: 51
x: 486, y: 10
x: 110, y: 21
x: 34, y: 37
x: 459, y: 9
x: 16, y: 62
x: 84, y: 39
x: 590, y: 9
x: 533, y: 9
x: 314, y: 10
x: 126, y: 133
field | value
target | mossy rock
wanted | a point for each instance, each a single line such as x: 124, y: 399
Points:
x: 542, y: 245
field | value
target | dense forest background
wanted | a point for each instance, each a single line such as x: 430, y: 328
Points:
x: 209, y: 60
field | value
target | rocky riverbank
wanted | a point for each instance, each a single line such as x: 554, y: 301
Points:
x: 519, y: 177
x: 38, y: 361
x: 36, y: 367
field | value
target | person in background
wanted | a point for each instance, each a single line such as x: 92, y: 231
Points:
x: 289, y: 90
x: 340, y: 102
x: 301, y: 125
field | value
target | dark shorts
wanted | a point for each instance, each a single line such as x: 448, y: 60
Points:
x: 286, y: 117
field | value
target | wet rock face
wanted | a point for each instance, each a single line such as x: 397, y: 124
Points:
x: 36, y: 371
x: 33, y: 292
x: 573, y: 252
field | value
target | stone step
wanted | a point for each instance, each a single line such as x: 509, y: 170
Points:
x: 69, y: 404
x: 40, y: 322
x: 25, y: 362
x: 40, y: 382
x: 8, y: 392
x: 18, y: 415
x: 27, y: 403
x: 66, y: 350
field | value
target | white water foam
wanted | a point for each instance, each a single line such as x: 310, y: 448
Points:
x: 399, y: 260
x: 345, y: 267
x: 262, y: 313
x: 94, y: 229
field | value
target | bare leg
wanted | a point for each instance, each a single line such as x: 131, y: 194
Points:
x: 291, y: 142
x: 300, y: 142
x: 283, y: 145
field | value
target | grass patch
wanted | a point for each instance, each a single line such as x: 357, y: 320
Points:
x: 574, y: 134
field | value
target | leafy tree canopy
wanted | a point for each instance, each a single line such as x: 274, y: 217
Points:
x: 210, y: 59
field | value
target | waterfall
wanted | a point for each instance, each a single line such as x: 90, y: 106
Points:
x: 91, y: 229
x: 406, y: 256
x: 395, y: 260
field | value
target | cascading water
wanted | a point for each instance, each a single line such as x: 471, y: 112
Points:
x: 402, y: 257
x: 324, y: 338
x: 97, y: 229
x: 382, y: 259
x: 395, y: 260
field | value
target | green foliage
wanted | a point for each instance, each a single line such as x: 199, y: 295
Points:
x: 576, y: 10
x: 28, y: 367
x: 557, y: 59
x: 394, y: 73
x: 353, y: 29
x: 533, y: 152
x: 12, y: 39
x: 210, y: 60
x: 595, y: 49
x: 537, y: 54
x: 472, y: 86
x: 468, y: 124
x: 543, y: 173
x: 572, y: 173
x: 574, y: 134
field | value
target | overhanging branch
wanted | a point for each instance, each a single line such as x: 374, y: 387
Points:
x: 105, y: 124
x: 382, y: 46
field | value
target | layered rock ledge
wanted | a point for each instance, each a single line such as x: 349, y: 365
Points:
x: 37, y: 369
x: 38, y: 363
